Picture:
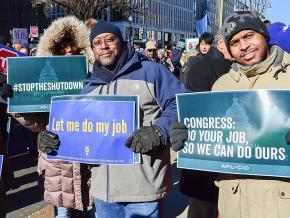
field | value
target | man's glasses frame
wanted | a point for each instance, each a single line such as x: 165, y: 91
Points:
x: 109, y: 40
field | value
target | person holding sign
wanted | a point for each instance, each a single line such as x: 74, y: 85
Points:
x: 258, y: 66
x: 137, y: 190
x: 65, y: 183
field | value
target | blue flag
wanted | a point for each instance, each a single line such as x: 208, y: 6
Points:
x: 202, y: 17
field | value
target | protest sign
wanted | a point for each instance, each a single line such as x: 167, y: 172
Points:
x: 33, y: 31
x: 1, y: 163
x: 20, y: 36
x: 94, y: 129
x: 241, y: 132
x: 36, y: 79
x: 191, y: 43
x: 6, y: 52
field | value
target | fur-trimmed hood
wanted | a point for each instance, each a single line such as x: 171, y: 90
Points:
x: 57, y: 31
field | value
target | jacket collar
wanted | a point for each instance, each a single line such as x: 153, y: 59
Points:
x: 136, y: 60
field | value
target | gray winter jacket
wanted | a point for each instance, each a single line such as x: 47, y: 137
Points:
x: 156, y: 87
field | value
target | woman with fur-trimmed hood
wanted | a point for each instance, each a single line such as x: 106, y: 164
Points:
x: 65, y: 183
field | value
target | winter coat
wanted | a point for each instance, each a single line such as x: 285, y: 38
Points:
x: 57, y: 30
x: 156, y: 86
x: 202, y: 72
x: 66, y: 184
x: 254, y: 196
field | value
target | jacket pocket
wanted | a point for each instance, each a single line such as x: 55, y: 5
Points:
x: 229, y: 200
x: 230, y: 186
x: 284, y: 190
x: 283, y: 201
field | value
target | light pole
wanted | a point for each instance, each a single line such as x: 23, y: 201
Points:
x: 130, y: 19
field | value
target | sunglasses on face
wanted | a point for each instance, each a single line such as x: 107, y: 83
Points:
x: 151, y: 50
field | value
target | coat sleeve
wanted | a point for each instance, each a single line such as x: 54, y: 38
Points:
x: 166, y: 87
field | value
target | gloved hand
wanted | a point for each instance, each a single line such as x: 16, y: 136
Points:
x: 47, y: 141
x: 287, y: 137
x: 5, y: 89
x: 178, y: 135
x: 145, y: 139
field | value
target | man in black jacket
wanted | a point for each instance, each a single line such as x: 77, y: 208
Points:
x: 201, y: 73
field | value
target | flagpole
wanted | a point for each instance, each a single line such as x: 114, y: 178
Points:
x: 220, y: 12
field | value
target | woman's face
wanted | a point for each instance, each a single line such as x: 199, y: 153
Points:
x: 68, y: 49
x: 204, y: 47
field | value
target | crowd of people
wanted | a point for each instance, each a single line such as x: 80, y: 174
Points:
x: 243, y: 55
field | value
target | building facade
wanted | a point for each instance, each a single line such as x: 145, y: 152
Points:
x: 20, y: 14
x: 165, y: 21
x: 229, y: 6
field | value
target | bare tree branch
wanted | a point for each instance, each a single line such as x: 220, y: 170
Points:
x: 259, y: 6
x: 82, y: 9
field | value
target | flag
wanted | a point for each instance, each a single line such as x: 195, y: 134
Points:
x: 6, y: 52
x: 202, y: 17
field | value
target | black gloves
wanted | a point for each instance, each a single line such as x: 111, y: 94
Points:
x: 5, y: 89
x: 47, y: 141
x: 145, y: 139
x: 178, y: 135
x: 287, y: 137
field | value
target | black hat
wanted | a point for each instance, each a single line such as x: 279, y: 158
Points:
x: 105, y: 27
x: 243, y: 20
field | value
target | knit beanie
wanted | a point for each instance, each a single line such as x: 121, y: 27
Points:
x: 274, y: 29
x: 283, y: 39
x: 105, y: 27
x: 243, y: 20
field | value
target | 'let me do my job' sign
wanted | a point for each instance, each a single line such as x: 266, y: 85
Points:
x: 94, y: 129
x: 241, y: 132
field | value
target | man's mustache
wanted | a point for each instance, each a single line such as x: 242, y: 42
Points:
x: 244, y: 53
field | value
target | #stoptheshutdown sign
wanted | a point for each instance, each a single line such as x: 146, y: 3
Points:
x: 236, y: 132
x: 36, y: 79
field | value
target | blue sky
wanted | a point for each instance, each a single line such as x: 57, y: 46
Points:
x: 279, y: 11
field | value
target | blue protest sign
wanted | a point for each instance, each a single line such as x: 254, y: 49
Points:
x: 36, y: 79
x: 241, y: 132
x: 1, y: 163
x: 20, y: 36
x: 93, y: 129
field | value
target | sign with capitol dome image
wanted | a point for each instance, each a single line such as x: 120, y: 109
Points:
x: 36, y: 79
x: 236, y: 132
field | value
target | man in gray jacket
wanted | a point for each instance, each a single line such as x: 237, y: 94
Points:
x: 133, y: 191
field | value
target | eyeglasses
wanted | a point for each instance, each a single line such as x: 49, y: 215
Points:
x: 151, y: 50
x: 110, y: 40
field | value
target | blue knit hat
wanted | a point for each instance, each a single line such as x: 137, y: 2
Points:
x: 274, y: 29
x: 283, y: 39
x: 105, y: 27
